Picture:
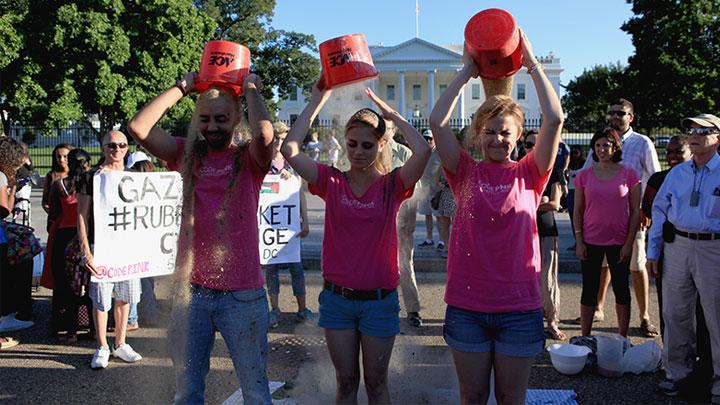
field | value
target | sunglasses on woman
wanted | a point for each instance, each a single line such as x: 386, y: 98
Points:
x: 116, y: 145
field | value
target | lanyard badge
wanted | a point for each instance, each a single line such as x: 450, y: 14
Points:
x: 694, y: 198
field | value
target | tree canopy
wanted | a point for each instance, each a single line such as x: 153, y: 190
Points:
x: 586, y: 97
x: 72, y: 61
x: 675, y: 70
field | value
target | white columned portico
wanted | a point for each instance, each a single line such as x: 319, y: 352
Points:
x: 431, y: 91
x: 401, y: 91
x: 373, y: 87
x: 461, y: 106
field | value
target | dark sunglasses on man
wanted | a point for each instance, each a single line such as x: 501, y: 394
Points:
x: 116, y: 145
x: 619, y: 113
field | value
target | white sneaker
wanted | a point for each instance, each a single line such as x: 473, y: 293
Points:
x: 101, y: 358
x: 8, y: 323
x: 126, y: 353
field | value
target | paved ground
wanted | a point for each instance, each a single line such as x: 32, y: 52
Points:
x: 43, y: 371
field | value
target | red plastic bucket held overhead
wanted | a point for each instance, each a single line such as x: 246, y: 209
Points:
x: 492, y: 39
x: 223, y: 63
x: 346, y: 60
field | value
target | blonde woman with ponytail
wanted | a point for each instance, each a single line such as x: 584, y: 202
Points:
x: 218, y: 283
x: 359, y: 305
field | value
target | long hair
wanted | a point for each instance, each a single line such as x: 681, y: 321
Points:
x: 56, y: 168
x: 12, y: 154
x: 494, y: 106
x: 196, y: 149
x: 79, y: 161
x: 368, y: 118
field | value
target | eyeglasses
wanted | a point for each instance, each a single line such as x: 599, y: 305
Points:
x: 116, y: 145
x: 529, y: 145
x: 604, y: 145
x: 672, y: 151
x: 701, y: 131
x: 619, y: 113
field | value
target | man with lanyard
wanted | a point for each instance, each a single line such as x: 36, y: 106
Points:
x: 686, y: 224
x: 638, y: 152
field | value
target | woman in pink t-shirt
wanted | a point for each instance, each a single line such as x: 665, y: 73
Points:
x: 494, y: 318
x: 606, y: 218
x: 359, y: 303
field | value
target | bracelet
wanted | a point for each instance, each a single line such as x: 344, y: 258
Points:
x: 180, y: 87
x: 577, y: 232
x: 535, y: 67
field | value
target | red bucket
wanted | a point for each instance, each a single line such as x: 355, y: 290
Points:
x: 492, y: 39
x: 346, y: 60
x: 224, y: 63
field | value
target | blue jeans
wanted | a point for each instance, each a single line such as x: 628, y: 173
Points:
x: 242, y: 319
x: 148, y: 302
x: 297, y: 276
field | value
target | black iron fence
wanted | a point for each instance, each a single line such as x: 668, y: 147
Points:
x: 42, y: 142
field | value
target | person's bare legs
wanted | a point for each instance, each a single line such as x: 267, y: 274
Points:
x: 376, y: 352
x: 344, y: 348
x: 602, y: 292
x: 428, y: 227
x: 300, y: 301
x: 444, y: 230
x: 274, y: 301
x: 623, y: 318
x: 586, y: 317
x: 641, y: 285
x: 473, y: 372
x: 511, y: 378
x: 121, y: 313
x: 100, y: 319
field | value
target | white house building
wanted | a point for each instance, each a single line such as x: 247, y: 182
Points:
x: 412, y: 76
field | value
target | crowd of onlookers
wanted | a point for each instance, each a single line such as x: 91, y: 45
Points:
x: 630, y: 221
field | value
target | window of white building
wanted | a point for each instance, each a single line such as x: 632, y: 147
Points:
x: 476, y: 91
x: 521, y: 91
x: 390, y: 92
x: 442, y: 88
x: 417, y: 92
x: 293, y: 95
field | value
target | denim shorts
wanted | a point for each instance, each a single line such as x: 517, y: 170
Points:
x: 297, y: 277
x: 379, y: 318
x: 515, y: 334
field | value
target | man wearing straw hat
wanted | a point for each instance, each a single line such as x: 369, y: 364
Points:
x: 638, y: 152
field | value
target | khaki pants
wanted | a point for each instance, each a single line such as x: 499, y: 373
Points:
x: 406, y: 243
x: 549, y: 285
x: 691, y: 267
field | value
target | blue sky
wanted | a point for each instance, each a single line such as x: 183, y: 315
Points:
x: 583, y: 33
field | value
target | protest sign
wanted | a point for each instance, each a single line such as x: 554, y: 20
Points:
x: 137, y: 222
x: 279, y: 220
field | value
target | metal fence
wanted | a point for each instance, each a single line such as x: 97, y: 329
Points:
x: 42, y: 141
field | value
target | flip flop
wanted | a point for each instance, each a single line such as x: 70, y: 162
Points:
x: 648, y: 329
x: 6, y: 343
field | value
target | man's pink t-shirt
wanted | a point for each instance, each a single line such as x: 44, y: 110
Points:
x: 226, y: 255
x: 360, y: 242
x: 494, y: 254
x: 607, y: 205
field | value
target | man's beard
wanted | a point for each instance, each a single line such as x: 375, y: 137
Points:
x: 218, y: 140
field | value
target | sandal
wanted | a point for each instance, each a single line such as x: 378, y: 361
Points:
x: 6, y: 343
x: 648, y: 329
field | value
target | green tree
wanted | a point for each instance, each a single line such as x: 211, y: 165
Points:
x: 89, y: 59
x: 586, y: 97
x: 280, y: 57
x: 676, y: 67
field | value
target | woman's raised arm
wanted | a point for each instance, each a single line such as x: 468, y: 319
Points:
x: 301, y: 162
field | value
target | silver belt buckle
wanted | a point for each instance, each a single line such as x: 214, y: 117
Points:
x: 346, y: 292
